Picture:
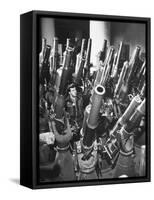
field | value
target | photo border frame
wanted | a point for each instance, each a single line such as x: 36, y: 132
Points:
x: 29, y: 96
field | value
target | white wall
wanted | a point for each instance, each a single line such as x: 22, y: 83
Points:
x: 9, y: 100
x: 98, y: 32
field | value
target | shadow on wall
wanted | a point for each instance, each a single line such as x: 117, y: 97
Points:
x: 63, y: 29
x: 132, y: 33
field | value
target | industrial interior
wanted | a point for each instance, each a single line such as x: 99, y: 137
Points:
x: 92, y: 104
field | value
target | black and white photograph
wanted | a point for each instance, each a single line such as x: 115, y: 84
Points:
x: 92, y: 99
x: 77, y: 97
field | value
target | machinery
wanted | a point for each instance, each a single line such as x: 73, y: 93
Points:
x: 92, y: 122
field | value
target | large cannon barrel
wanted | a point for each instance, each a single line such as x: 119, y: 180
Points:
x: 95, y: 108
x: 68, y: 41
x: 127, y: 114
x: 60, y: 100
x: 82, y: 47
x: 88, y: 53
x: 123, y: 79
x: 55, y: 44
x: 87, y: 60
x: 143, y: 89
x: 99, y: 76
x: 115, y: 72
x: 135, y: 57
x: 141, y: 76
x: 136, y: 117
x: 65, y: 72
x: 92, y: 120
x: 122, y: 56
x: 54, y: 56
x: 125, y: 137
x: 130, y: 109
x: 80, y: 63
x: 44, y: 71
x: 114, y: 64
x: 46, y: 56
x: 42, y: 53
x: 107, y: 66
x: 136, y: 65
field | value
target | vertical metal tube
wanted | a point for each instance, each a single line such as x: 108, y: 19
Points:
x: 55, y: 54
x: 95, y: 108
x: 127, y: 114
x: 68, y: 41
x: 88, y: 53
x: 107, y: 67
x: 123, y: 79
x: 65, y: 73
x: 42, y: 53
x: 136, y: 117
x: 92, y: 120
x: 130, y: 109
x: 81, y: 63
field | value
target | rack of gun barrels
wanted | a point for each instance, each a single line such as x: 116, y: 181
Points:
x: 92, y: 118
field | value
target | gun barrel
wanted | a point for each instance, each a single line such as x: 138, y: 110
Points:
x: 96, y: 104
x: 130, y: 109
x: 92, y: 120
x: 117, y: 60
x: 44, y: 43
x: 123, y: 55
x: 54, y: 56
x: 123, y: 78
x: 107, y: 67
x: 141, y: 77
x: 47, y: 54
x: 134, y: 60
x: 113, y: 72
x: 44, y: 72
x: 136, y: 117
x: 82, y: 47
x: 80, y: 63
x: 55, y: 46
x: 65, y: 72
x: 135, y: 55
x: 143, y: 89
x: 88, y: 53
x: 68, y: 41
x: 98, y: 76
